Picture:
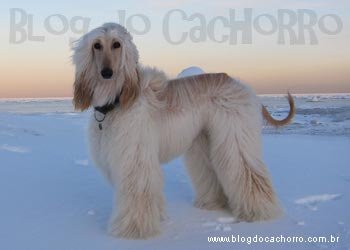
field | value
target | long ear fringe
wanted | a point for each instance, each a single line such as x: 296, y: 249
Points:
x: 131, y: 90
x: 82, y: 93
x: 82, y: 86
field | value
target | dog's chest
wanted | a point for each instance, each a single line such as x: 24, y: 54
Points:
x: 99, y: 138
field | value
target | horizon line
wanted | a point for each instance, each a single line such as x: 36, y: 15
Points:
x: 262, y: 95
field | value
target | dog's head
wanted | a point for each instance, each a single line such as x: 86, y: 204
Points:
x: 106, y: 66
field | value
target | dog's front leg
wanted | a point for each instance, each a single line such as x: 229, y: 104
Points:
x: 140, y: 193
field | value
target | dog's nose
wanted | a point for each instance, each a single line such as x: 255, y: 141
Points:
x: 106, y: 73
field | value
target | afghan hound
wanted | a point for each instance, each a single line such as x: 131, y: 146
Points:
x: 142, y: 119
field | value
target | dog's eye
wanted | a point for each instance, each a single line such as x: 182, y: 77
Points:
x: 97, y: 46
x: 116, y: 45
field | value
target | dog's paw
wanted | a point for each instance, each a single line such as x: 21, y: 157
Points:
x: 133, y: 229
x: 258, y: 212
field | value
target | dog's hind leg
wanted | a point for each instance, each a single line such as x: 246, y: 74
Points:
x: 236, y: 155
x: 209, y: 193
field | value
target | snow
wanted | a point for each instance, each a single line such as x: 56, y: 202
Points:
x: 317, y: 114
x: 301, y: 223
x: 82, y: 162
x: 13, y: 149
x: 191, y: 71
x: 313, y: 199
x: 227, y: 220
x: 53, y: 198
x: 91, y: 212
x: 49, y: 203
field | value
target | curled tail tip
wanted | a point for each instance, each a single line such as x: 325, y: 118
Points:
x: 285, y: 121
x: 291, y: 106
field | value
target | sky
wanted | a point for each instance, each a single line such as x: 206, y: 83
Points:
x: 32, y: 68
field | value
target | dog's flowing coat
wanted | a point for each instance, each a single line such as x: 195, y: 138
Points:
x: 212, y: 119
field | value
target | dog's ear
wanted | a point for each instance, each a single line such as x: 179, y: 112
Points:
x: 82, y: 58
x: 82, y: 93
x: 131, y: 89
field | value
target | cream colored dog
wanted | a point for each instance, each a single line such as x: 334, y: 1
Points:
x: 142, y: 120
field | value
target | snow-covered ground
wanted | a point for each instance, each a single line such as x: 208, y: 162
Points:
x: 51, y: 196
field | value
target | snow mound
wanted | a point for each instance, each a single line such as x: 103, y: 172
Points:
x: 314, y: 199
x: 14, y: 149
x: 227, y: 220
x: 81, y: 162
x: 191, y: 71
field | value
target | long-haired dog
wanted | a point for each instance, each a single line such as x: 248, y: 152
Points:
x: 142, y: 119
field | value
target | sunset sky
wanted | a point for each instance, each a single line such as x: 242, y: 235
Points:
x: 44, y: 68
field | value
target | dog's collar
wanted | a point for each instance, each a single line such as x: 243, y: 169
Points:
x: 104, y: 110
x: 108, y: 107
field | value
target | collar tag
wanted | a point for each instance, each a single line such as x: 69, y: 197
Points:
x: 99, y: 119
x: 103, y: 110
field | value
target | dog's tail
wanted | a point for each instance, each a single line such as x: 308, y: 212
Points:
x: 278, y: 123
